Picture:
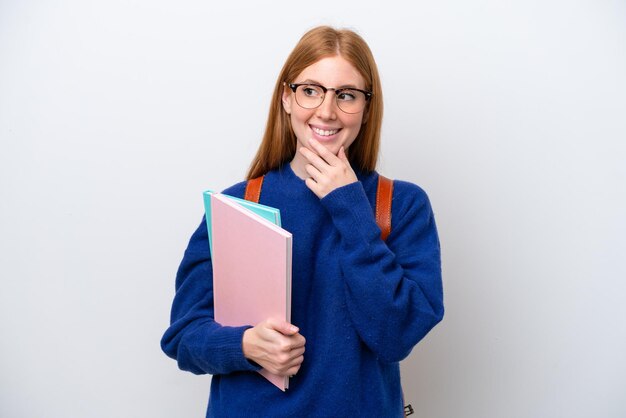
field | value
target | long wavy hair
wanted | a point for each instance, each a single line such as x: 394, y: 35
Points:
x: 279, y: 141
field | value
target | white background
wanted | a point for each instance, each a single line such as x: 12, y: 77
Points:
x: 116, y: 115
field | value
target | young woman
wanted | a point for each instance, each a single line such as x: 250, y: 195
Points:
x: 359, y: 303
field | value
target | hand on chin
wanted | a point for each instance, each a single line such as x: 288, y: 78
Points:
x: 326, y: 171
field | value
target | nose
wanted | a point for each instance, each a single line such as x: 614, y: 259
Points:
x: 328, y: 108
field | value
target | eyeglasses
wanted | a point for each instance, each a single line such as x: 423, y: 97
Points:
x: 311, y: 96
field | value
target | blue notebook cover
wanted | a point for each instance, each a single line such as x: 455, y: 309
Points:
x: 267, y: 212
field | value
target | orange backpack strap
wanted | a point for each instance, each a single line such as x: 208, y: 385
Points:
x: 383, y: 205
x: 384, y: 194
x: 253, y: 189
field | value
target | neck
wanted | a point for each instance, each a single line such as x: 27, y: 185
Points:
x: 297, y: 165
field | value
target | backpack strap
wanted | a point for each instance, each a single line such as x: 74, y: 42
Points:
x: 253, y: 189
x: 384, y: 194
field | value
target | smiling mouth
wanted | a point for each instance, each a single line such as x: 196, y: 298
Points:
x: 322, y: 132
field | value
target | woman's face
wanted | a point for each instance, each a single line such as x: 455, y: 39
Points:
x: 327, y: 123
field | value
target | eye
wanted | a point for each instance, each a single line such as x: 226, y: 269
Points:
x: 347, y: 95
x: 312, y: 91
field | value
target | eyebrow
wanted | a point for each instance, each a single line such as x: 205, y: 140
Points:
x: 345, y: 86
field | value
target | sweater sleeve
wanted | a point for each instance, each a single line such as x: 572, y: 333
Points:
x: 393, y: 289
x: 194, y: 339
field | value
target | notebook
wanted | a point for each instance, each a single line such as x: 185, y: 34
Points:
x: 267, y: 212
x: 251, y: 269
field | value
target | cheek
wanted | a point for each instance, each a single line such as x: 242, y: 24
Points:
x: 355, y: 126
x: 355, y: 123
x: 299, y: 124
x: 300, y: 117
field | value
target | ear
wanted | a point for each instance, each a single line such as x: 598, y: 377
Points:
x: 287, y: 98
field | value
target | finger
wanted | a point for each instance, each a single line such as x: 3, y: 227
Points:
x: 292, y: 367
x: 296, y: 362
x: 290, y: 372
x: 342, y: 155
x: 295, y: 353
x: 281, y: 326
x: 291, y: 345
x: 283, y: 363
x: 324, y: 152
x: 295, y: 366
x: 285, y: 360
x: 314, y: 159
x: 313, y: 172
x: 285, y: 345
x: 298, y: 340
x: 312, y: 185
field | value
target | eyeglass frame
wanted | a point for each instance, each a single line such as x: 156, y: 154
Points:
x: 294, y: 87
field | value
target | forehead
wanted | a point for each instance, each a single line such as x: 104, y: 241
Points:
x: 333, y: 71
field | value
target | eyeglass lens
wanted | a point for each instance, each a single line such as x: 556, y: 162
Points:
x: 312, y: 96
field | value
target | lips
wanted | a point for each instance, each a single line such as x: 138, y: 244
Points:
x: 324, y: 132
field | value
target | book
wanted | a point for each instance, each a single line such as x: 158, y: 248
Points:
x: 251, y: 269
x: 267, y: 212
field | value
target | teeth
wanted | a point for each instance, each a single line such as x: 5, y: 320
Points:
x: 325, y: 133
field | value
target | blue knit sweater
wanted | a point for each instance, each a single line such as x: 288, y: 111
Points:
x: 361, y: 303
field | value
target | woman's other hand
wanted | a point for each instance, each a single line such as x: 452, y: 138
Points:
x: 326, y: 170
x: 275, y: 345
